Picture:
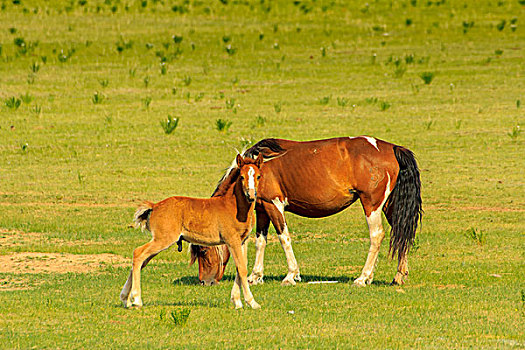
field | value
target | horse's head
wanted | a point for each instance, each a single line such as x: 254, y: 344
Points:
x: 249, y: 175
x: 212, y: 262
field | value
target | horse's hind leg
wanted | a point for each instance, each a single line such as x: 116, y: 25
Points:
x: 261, y: 237
x: 141, y: 257
x: 373, y: 205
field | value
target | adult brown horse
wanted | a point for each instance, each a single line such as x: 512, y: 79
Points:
x: 227, y: 218
x: 320, y: 178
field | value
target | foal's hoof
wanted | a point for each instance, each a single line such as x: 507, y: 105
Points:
x: 360, y: 283
x: 254, y: 305
x: 288, y: 282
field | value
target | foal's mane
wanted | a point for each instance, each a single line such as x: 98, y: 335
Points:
x: 269, y: 148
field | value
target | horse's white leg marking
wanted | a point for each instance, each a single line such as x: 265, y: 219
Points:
x: 256, y: 277
x: 377, y: 234
x: 286, y: 242
x: 124, y: 294
x: 236, y: 292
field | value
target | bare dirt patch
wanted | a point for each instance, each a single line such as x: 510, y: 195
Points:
x: 17, y: 238
x: 58, y: 262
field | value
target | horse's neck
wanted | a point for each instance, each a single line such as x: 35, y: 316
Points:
x: 236, y: 198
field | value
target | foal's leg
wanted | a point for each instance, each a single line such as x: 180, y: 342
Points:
x: 141, y: 257
x: 261, y: 237
x: 276, y: 214
x: 373, y: 205
x: 241, y: 280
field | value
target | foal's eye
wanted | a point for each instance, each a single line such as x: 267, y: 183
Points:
x: 242, y: 177
x: 258, y: 177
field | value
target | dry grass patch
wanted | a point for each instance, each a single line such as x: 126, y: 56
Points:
x: 58, y: 263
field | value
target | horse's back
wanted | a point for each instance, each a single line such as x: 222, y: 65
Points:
x: 322, y: 177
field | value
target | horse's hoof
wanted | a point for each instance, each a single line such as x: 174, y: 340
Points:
x: 288, y: 282
x: 255, y: 280
x: 297, y: 277
x: 359, y: 283
x: 254, y: 305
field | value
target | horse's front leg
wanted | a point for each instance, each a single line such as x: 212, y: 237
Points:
x: 238, y: 252
x: 261, y: 237
x: 276, y: 214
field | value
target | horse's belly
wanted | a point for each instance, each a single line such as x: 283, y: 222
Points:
x: 313, y: 209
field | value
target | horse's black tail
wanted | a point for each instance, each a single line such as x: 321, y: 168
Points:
x: 404, y: 206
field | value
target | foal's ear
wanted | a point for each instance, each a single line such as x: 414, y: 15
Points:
x: 240, y: 161
x: 259, y: 160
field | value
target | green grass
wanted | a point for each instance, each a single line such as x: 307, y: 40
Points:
x: 85, y: 84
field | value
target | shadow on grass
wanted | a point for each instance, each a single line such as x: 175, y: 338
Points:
x: 194, y: 280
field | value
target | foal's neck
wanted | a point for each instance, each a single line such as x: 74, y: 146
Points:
x: 243, y: 208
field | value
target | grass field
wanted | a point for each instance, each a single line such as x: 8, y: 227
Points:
x: 84, y: 86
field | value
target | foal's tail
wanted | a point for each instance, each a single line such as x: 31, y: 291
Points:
x: 141, y: 218
x: 403, y: 209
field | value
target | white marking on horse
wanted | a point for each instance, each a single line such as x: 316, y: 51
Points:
x: 372, y: 141
x: 251, y: 179
x: 280, y: 205
x: 377, y: 234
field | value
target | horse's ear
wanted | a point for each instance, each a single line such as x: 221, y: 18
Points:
x: 259, y: 161
x: 240, y: 161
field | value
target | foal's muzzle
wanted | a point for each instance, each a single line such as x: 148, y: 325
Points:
x: 250, y: 197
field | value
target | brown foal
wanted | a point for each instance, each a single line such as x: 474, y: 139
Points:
x: 227, y: 218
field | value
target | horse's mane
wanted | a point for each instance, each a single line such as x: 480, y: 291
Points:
x: 225, y: 183
x: 269, y: 148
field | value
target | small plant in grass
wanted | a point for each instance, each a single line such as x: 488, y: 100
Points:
x: 132, y: 72
x: 179, y: 317
x: 260, y: 121
x: 501, y: 25
x: 35, y: 67
x: 163, y: 68
x: 169, y: 125
x: 324, y: 100
x: 476, y: 235
x: 146, y: 81
x: 428, y: 124
x: 230, y: 103
x: 371, y: 100
x: 199, y: 96
x: 186, y: 80
x: 278, y: 107
x: 24, y: 147
x: 104, y: 83
x: 399, y: 71
x: 37, y: 109
x: 467, y: 25
x: 515, y: 132
x: 146, y: 101
x: 384, y: 105
x: 12, y: 103
x: 98, y: 98
x: 222, y: 125
x: 177, y: 39
x: 230, y: 50
x: 457, y: 124
x: 342, y: 101
x: 518, y: 103
x: 122, y: 44
x: 27, y: 98
x: 64, y: 56
x: 427, y: 77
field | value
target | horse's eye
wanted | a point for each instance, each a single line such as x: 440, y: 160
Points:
x: 258, y: 177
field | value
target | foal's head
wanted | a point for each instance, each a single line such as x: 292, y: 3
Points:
x: 249, y: 175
